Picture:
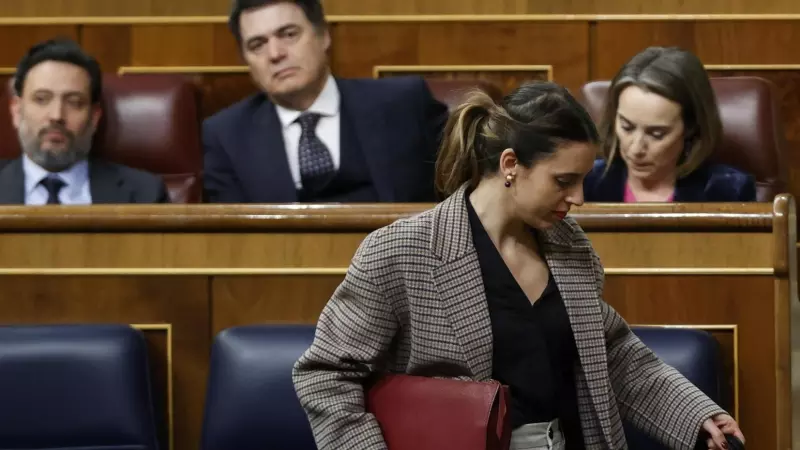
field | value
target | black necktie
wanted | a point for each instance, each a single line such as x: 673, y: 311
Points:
x: 316, y: 163
x: 53, y: 185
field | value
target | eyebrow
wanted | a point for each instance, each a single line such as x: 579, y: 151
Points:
x: 649, y: 126
x: 286, y: 27
x: 264, y: 36
x: 50, y: 92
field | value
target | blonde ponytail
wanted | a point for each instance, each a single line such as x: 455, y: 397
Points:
x: 459, y: 155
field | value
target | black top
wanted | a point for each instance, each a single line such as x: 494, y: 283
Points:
x: 534, y: 350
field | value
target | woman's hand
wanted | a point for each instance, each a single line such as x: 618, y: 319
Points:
x: 717, y: 427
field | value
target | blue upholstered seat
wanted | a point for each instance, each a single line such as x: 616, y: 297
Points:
x: 75, y: 387
x: 251, y: 402
x: 692, y: 352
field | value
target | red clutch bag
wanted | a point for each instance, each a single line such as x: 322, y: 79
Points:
x: 421, y: 413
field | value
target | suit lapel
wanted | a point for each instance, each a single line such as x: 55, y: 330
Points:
x: 264, y: 156
x: 611, y: 187
x: 12, y: 183
x: 106, y: 185
x: 459, y: 284
x: 374, y: 134
x: 692, y: 187
x: 571, y: 262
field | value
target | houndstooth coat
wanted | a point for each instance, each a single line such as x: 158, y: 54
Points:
x: 413, y: 302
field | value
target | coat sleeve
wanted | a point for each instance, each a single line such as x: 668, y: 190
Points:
x: 353, y: 336
x: 747, y: 191
x: 220, y: 183
x: 651, y: 395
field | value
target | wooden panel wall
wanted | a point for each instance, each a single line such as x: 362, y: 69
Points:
x: 511, y: 52
x: 254, y: 299
x: 185, y: 306
x: 76, y: 8
x: 194, y: 272
x: 562, y: 47
x: 175, y: 305
x: 571, y: 52
x: 719, y: 293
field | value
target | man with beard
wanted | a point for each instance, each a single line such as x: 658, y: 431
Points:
x: 55, y: 110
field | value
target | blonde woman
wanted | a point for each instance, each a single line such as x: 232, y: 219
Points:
x: 660, y: 125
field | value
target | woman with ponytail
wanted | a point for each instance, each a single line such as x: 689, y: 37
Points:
x: 499, y: 282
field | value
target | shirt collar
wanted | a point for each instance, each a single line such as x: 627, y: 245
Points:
x: 74, y: 177
x: 326, y: 104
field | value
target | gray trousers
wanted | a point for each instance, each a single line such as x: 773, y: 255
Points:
x: 538, y: 436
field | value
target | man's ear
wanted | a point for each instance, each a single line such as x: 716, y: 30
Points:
x: 97, y: 113
x: 15, y: 108
x: 326, y: 38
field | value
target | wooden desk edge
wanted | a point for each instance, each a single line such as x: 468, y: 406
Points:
x: 750, y: 217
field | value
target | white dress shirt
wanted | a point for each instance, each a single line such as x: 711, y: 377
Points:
x: 328, y: 129
x: 76, y: 190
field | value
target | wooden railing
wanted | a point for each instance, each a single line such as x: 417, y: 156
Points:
x: 184, y: 273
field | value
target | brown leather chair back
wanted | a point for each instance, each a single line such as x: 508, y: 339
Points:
x: 150, y: 122
x: 453, y: 92
x: 9, y: 142
x: 753, y: 138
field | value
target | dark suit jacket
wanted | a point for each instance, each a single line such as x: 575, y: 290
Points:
x: 708, y: 183
x: 396, y: 120
x: 108, y: 183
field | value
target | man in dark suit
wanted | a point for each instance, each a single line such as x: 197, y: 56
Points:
x: 310, y: 137
x: 55, y: 109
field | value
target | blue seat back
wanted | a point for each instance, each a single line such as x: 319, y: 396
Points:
x: 71, y: 387
x: 251, y: 403
x: 695, y: 354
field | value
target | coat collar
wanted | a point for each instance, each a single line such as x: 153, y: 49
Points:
x: 107, y: 184
x: 452, y: 237
x: 376, y: 136
x: 12, y: 183
x: 459, y: 284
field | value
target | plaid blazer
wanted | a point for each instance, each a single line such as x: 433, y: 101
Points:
x: 413, y: 302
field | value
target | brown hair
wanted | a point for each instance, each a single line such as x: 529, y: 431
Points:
x: 679, y: 76
x: 533, y: 121
x: 312, y: 8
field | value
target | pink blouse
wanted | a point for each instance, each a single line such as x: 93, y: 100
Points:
x: 628, y: 197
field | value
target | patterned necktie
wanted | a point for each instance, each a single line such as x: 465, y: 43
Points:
x: 316, y: 163
x: 53, y: 185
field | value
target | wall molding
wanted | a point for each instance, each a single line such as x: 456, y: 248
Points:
x: 753, y: 67
x: 414, y: 18
x: 222, y: 271
x: 378, y: 70
x: 132, y: 70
